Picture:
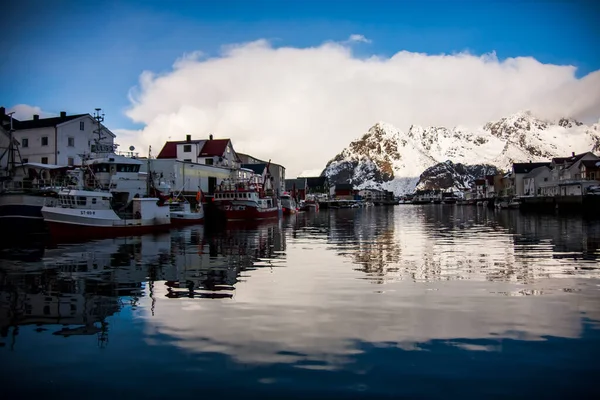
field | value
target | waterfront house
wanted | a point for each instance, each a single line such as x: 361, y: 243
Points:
x: 342, y: 191
x: 518, y: 173
x: 490, y: 190
x: 480, y: 188
x: 58, y: 140
x: 317, y: 184
x: 535, y: 180
x: 217, y: 152
x: 372, y: 195
x: 566, y: 178
x: 296, y: 186
x: 590, y: 170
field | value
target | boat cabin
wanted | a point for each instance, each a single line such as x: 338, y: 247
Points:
x: 84, y: 199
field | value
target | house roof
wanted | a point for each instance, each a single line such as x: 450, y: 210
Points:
x: 591, y: 164
x: 299, y: 182
x: 169, y: 150
x: 214, y: 147
x: 316, y: 181
x: 44, y: 122
x: 246, y: 158
x: 536, y: 171
x: 344, y: 186
x: 569, y: 160
x: 257, y: 168
x: 525, y: 168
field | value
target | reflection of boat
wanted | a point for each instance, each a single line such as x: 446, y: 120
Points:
x: 288, y: 204
x: 243, y: 199
x: 514, y: 203
x: 87, y: 213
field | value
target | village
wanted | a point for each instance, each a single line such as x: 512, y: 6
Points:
x: 569, y: 183
x: 208, y: 179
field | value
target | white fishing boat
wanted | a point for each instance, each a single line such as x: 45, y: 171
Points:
x: 183, y: 214
x: 84, y: 214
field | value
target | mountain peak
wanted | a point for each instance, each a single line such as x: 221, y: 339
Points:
x: 388, y: 158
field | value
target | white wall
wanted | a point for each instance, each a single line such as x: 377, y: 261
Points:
x: 34, y: 152
x: 60, y: 154
x: 192, y: 155
x: 82, y: 139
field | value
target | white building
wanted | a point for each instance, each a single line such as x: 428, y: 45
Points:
x: 217, y: 152
x: 58, y: 140
x: 518, y: 173
x: 535, y: 179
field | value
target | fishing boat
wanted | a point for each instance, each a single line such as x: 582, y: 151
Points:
x: 91, y: 213
x: 247, y: 199
x: 182, y: 212
x: 288, y: 204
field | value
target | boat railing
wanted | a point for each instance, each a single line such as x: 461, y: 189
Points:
x: 37, y: 184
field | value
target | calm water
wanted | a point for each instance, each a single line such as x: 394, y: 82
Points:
x: 425, y: 302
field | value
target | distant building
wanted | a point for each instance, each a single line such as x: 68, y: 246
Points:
x: 519, y: 171
x: 297, y: 186
x: 277, y: 171
x: 58, y: 140
x: 317, y: 184
x: 342, y: 191
x: 217, y: 152
x: 535, y: 179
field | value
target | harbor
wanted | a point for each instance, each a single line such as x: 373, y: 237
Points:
x: 276, y: 303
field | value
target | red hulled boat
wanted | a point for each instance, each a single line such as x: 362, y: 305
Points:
x: 246, y: 198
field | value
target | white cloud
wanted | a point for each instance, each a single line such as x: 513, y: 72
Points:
x: 358, y: 38
x: 25, y: 112
x: 301, y: 106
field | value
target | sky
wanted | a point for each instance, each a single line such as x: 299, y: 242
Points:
x: 296, y: 81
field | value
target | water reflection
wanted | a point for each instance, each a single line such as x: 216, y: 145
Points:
x: 339, y: 300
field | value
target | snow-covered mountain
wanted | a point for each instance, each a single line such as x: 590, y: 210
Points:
x: 450, y: 176
x: 388, y: 158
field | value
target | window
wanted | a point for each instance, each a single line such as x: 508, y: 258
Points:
x: 25, y: 160
x: 44, y: 160
x: 71, y: 142
x: 208, y: 161
x: 44, y: 140
x: 81, y: 125
x: 592, y: 175
x: 187, y: 148
x: 228, y: 150
x: 25, y: 142
x: 93, y: 200
x: 70, y: 161
x: 187, y: 160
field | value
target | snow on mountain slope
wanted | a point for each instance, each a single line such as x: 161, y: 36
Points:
x: 455, y: 177
x: 388, y: 158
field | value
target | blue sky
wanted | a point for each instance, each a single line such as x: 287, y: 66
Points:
x: 78, y: 55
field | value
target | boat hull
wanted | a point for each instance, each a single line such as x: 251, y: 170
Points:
x: 186, y: 220
x: 22, y: 212
x: 250, y: 213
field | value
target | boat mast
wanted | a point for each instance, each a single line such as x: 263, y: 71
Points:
x: 149, y: 174
x: 12, y: 149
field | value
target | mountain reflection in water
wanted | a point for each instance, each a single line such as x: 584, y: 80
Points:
x: 375, y: 302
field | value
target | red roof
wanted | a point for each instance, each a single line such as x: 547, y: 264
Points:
x: 169, y: 150
x: 215, y: 147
